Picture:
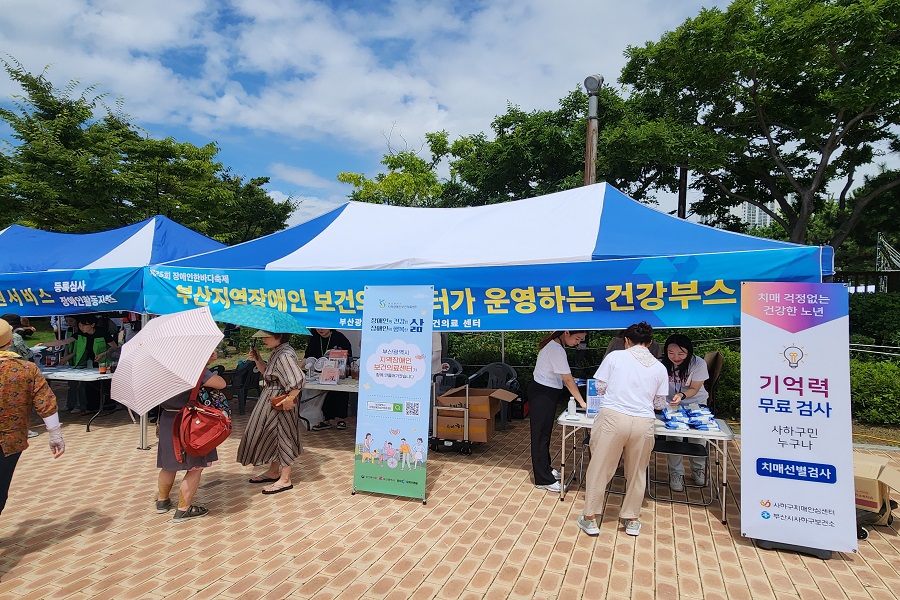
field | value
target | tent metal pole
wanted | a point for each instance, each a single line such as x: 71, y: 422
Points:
x: 145, y: 419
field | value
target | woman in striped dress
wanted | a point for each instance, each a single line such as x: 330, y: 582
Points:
x: 273, y: 436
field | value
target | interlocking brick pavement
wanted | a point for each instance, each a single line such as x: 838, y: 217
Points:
x: 84, y: 526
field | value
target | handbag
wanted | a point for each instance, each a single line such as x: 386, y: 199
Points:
x: 278, y: 402
x: 199, y: 429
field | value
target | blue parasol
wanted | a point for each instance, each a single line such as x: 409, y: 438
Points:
x: 262, y: 317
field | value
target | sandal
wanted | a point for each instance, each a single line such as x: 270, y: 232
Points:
x: 342, y: 425
x: 193, y: 512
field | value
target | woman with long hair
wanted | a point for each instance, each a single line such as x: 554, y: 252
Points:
x: 686, y: 376
x: 551, y: 374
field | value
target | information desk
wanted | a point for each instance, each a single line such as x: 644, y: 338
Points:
x: 717, y: 441
x: 83, y: 375
x: 314, y: 395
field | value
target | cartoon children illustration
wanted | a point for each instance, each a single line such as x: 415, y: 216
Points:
x: 367, y: 443
x: 419, y: 453
x: 405, y: 455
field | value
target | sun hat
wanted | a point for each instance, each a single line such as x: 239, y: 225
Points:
x: 261, y: 334
x: 5, y: 333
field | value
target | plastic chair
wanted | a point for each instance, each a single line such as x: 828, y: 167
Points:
x: 451, y: 376
x: 246, y: 377
x: 500, y: 376
x: 714, y: 363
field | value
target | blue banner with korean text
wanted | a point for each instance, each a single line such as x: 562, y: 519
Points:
x: 71, y: 292
x: 797, y: 477
x: 394, y: 391
x: 678, y: 291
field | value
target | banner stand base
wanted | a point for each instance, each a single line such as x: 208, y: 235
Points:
x: 767, y: 545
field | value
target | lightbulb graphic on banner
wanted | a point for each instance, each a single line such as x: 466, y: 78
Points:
x: 793, y: 355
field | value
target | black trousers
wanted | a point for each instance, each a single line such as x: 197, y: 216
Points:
x: 542, y: 400
x: 335, y: 405
x: 7, y: 467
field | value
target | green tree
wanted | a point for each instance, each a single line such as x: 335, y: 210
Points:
x: 777, y: 100
x: 410, y: 181
x: 63, y: 170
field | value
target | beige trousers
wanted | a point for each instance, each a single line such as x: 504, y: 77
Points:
x: 613, y: 435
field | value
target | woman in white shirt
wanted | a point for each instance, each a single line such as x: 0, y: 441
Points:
x: 551, y: 374
x: 686, y: 376
x: 632, y: 383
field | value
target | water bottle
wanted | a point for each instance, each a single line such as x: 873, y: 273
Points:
x: 572, y: 407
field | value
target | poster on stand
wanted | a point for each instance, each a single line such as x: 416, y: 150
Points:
x: 796, y: 446
x: 394, y: 391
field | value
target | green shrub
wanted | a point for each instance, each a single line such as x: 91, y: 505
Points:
x: 876, y: 316
x: 728, y: 391
x: 875, y: 392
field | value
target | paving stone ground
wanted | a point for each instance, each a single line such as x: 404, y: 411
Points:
x: 84, y: 526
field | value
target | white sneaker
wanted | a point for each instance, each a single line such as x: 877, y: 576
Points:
x: 589, y: 526
x: 676, y: 482
x: 699, y: 477
x: 551, y: 487
x: 556, y: 474
x: 632, y: 526
x: 32, y: 433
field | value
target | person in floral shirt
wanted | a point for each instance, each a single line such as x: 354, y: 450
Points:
x: 22, y: 386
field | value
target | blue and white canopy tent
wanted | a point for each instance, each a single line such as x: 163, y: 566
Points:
x: 588, y: 258
x: 45, y: 273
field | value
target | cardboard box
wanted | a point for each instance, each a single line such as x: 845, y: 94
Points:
x: 874, y: 477
x: 451, y: 428
x: 483, y: 403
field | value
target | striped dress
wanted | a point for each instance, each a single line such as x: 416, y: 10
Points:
x: 274, y: 435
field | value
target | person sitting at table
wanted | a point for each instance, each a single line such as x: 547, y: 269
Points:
x: 18, y: 344
x: 686, y: 376
x: 89, y: 346
x: 632, y: 383
x: 335, y: 404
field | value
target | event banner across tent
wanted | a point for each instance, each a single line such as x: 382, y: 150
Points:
x: 676, y: 291
x: 72, y: 292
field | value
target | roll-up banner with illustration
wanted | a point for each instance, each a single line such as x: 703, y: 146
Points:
x: 796, y: 447
x: 391, y: 451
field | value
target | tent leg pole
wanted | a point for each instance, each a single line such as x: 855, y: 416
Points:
x: 142, y: 445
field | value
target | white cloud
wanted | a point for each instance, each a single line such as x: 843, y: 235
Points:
x: 301, y: 73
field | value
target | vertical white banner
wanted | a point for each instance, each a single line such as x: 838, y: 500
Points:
x: 796, y: 444
x: 394, y: 390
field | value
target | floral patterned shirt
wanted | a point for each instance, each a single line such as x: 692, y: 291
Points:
x: 22, y: 386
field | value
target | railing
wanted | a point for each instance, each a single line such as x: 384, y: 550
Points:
x: 869, y: 281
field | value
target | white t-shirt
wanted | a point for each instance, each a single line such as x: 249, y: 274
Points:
x: 551, y: 365
x: 631, y: 387
x: 698, y: 371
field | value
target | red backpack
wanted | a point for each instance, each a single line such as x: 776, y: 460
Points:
x: 199, y: 429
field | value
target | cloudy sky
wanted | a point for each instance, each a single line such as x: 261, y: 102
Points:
x: 299, y: 90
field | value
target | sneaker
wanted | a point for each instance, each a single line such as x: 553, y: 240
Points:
x: 589, y: 526
x: 193, y: 512
x: 550, y: 487
x: 699, y: 477
x: 163, y: 506
x: 676, y: 482
x: 321, y: 427
x: 32, y: 434
x: 632, y: 526
x: 556, y: 474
